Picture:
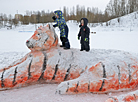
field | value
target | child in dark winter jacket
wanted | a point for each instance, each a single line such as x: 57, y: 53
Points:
x: 84, y: 34
x: 60, y: 22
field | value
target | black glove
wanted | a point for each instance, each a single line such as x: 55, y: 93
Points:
x: 78, y: 38
x: 80, y: 25
x: 54, y: 18
x: 54, y: 26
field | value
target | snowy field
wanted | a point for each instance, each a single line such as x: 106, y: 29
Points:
x: 12, y: 47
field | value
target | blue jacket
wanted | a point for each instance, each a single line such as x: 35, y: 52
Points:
x: 60, y: 22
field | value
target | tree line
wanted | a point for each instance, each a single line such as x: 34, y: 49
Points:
x: 115, y: 8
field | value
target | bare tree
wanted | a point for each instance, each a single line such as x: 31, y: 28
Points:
x: 28, y: 13
x: 1, y: 20
x: 65, y: 13
x: 123, y: 7
x: 15, y: 22
x: 5, y: 18
x: 43, y: 17
x: 78, y: 13
x: 115, y: 8
x: 136, y: 5
x: 10, y: 19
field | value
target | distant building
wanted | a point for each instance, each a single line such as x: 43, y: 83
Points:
x: 26, y: 19
x: 33, y: 18
x: 18, y: 17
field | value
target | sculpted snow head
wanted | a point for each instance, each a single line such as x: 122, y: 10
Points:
x: 43, y: 38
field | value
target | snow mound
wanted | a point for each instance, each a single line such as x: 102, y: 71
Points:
x: 125, y: 23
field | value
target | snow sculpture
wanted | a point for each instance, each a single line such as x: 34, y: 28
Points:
x: 97, y: 71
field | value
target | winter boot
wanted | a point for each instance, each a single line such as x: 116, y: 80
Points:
x: 66, y: 48
x: 62, y: 46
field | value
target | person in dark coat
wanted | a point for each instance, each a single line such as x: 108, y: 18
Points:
x: 60, y: 22
x: 84, y: 34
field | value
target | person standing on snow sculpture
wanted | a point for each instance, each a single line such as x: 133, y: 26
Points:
x: 60, y: 22
x: 84, y: 34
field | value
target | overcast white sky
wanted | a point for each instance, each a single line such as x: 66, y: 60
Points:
x: 11, y: 6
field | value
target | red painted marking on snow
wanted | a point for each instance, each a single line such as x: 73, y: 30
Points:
x: 110, y: 84
x: 95, y: 86
x: 92, y: 68
x: 114, y: 99
x: 33, y: 36
x: 0, y: 84
x: 49, y: 72
x: 8, y: 83
x: 34, y: 78
x: 110, y: 100
x: 60, y: 75
x: 73, y: 89
x: 135, y: 66
x: 73, y: 75
x: 129, y: 98
x: 22, y: 60
x: 83, y: 88
x: 56, y: 42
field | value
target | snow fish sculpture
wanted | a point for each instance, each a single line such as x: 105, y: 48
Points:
x: 97, y: 71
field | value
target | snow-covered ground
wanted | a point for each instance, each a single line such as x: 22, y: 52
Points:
x: 46, y: 93
x: 13, y: 47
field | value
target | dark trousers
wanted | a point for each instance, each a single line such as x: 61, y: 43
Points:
x: 64, y: 40
x: 85, y: 46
